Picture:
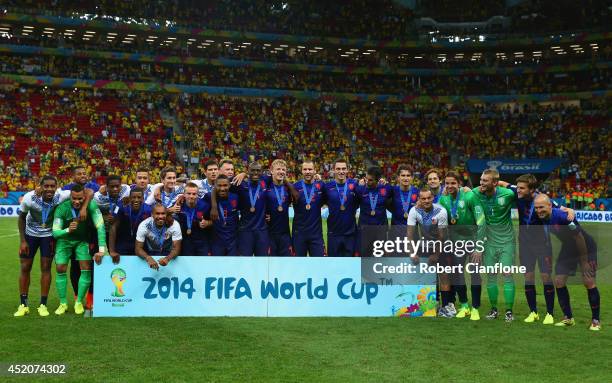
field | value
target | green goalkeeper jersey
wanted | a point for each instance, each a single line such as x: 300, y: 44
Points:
x: 465, y: 215
x: 64, y: 214
x: 497, y: 211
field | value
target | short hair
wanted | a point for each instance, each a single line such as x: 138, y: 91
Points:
x: 375, y: 172
x: 308, y: 161
x: 137, y: 190
x: 210, y: 163
x: 278, y: 162
x: 47, y: 177
x: 158, y: 205
x: 112, y: 178
x: 191, y: 185
x: 77, y: 167
x: 77, y: 188
x: 142, y: 170
x: 255, y: 163
x: 433, y: 170
x: 453, y: 174
x: 226, y: 161
x: 222, y: 177
x: 340, y: 160
x: 404, y: 167
x: 493, y: 173
x: 165, y: 171
x: 425, y: 189
x: 529, y: 179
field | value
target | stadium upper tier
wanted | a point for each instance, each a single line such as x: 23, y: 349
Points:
x: 382, y: 20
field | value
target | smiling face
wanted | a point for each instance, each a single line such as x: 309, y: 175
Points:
x: 542, y: 207
x: 426, y: 199
x: 433, y: 180
x: 48, y: 187
x: 308, y: 171
x: 136, y: 200
x: 487, y: 184
x: 227, y: 169
x: 255, y: 171
x: 191, y: 195
x: 451, y: 185
x: 340, y: 171
x: 169, y: 180
x: 405, y: 178
x: 159, y: 215
x: 222, y: 187
x: 80, y: 176
x: 142, y: 179
x: 77, y: 198
x: 523, y: 191
x: 279, y: 172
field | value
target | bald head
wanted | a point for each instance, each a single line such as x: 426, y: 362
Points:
x: 542, y: 206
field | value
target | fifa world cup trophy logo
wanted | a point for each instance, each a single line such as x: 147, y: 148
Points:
x: 118, y: 277
x: 494, y: 164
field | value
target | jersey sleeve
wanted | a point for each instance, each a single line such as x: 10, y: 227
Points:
x: 479, y: 217
x: 141, y: 233
x: 58, y: 223
x: 125, y: 191
x: 26, y: 202
x: 151, y: 197
x: 412, y: 217
x: 176, y: 231
x: 63, y: 195
x: 98, y: 221
x: 442, y: 218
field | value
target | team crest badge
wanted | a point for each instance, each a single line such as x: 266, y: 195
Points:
x: 462, y: 204
x: 501, y: 200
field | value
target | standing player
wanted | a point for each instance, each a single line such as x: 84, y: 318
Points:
x: 195, y: 229
x: 499, y: 247
x: 434, y: 181
x: 342, y: 202
x: 80, y: 177
x: 433, y: 221
x: 158, y: 235
x: 167, y: 193
x: 205, y: 185
x: 577, y: 247
x: 404, y: 197
x: 109, y: 198
x: 142, y: 182
x: 279, y: 193
x: 467, y: 223
x: 253, y: 238
x: 373, y: 200
x: 35, y: 221
x: 73, y: 235
x: 226, y: 167
x: 122, y: 235
x: 307, y: 225
x: 225, y: 224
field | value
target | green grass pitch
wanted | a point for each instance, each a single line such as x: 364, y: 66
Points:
x: 301, y: 349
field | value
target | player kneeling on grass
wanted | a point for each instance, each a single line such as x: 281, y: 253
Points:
x: 577, y: 246
x: 158, y: 235
x: 72, y: 234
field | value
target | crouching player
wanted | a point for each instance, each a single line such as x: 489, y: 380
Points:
x: 577, y: 246
x: 72, y: 234
x: 158, y: 235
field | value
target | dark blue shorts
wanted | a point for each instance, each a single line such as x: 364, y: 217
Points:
x: 280, y: 245
x: 45, y: 244
x: 569, y: 259
x: 220, y: 248
x: 254, y: 243
x: 532, y: 252
x: 311, y: 244
x: 194, y: 247
x: 341, y: 245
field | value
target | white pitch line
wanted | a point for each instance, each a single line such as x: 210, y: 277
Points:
x: 9, y: 235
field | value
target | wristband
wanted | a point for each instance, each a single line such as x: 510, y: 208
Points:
x: 102, y: 249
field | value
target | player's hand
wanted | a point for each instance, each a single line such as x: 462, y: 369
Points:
x: 238, y: 178
x: 588, y: 271
x: 38, y: 191
x: 317, y: 177
x: 125, y: 201
x: 204, y: 224
x: 571, y: 213
x: 382, y: 181
x: 476, y: 257
x: 180, y: 199
x: 164, y: 261
x: 157, y: 194
x: 152, y: 263
x: 214, y: 213
x: 83, y: 214
x: 73, y: 226
x: 108, y: 219
x: 362, y: 182
x: 24, y: 248
x: 268, y: 218
x: 115, y: 257
x: 174, y: 209
x: 98, y: 258
x: 466, y: 189
x: 102, y: 189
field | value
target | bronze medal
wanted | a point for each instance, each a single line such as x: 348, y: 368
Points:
x: 252, y: 209
x: 44, y: 225
x: 453, y: 221
x: 280, y: 208
x: 406, y: 215
x: 342, y: 207
x: 373, y: 213
x: 308, y: 206
x: 188, y: 231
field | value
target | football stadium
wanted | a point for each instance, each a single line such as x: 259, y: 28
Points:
x: 305, y: 191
